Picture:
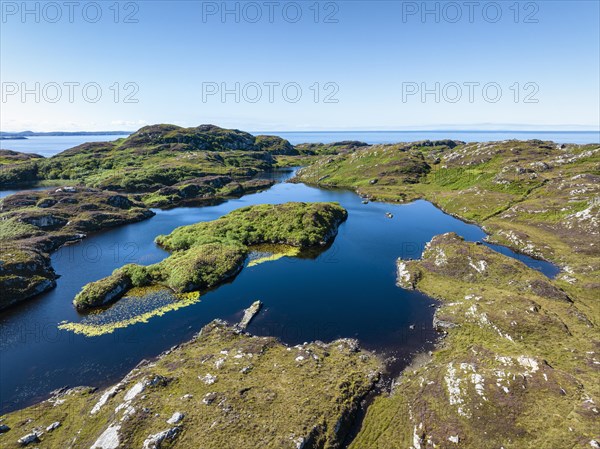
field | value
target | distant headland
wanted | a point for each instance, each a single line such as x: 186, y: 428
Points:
x: 26, y: 134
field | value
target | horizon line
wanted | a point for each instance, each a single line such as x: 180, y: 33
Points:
x: 437, y: 131
x: 466, y: 130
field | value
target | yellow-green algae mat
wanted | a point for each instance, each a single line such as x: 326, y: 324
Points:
x: 138, y: 306
x: 270, y: 253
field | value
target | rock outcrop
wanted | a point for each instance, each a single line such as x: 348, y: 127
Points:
x: 249, y: 315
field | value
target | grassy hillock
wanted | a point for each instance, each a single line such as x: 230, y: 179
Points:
x: 183, y: 160
x: 305, y: 153
x: 33, y: 224
x: 517, y: 369
x: 222, y: 390
x: 9, y: 157
x: 206, y: 254
x: 18, y: 168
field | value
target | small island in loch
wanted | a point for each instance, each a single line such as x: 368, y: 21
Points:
x: 206, y: 254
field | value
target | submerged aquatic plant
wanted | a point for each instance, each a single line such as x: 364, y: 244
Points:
x: 139, y: 306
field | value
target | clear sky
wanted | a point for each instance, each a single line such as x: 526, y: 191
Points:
x: 302, y: 65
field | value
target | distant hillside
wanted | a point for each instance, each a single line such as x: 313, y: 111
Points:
x: 167, y: 163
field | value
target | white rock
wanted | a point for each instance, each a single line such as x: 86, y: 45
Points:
x: 479, y: 265
x: 299, y: 442
x: 403, y: 275
x: 219, y: 363
x: 104, y: 398
x: 249, y: 314
x: 453, y: 384
x: 417, y: 440
x: 134, y: 391
x: 32, y: 437
x: 155, y: 441
x: 109, y: 438
x: 529, y: 363
x: 51, y: 427
x: 208, y: 379
x: 478, y: 382
x: 177, y: 416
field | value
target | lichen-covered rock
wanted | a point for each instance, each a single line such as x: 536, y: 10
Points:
x: 155, y: 441
x: 55, y: 425
x: 177, y: 416
x: 120, y: 201
x: 249, y: 315
x: 33, y: 437
x: 406, y: 276
x: 44, y: 221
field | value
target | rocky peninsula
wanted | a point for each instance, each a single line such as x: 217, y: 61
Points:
x: 518, y: 364
x: 33, y: 224
x: 223, y: 389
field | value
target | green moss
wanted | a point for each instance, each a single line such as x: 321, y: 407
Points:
x: 202, y: 266
x: 295, y: 224
x: 139, y: 275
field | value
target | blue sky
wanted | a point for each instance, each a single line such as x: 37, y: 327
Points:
x: 369, y: 62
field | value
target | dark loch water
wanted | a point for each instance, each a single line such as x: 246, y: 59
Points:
x: 348, y: 290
